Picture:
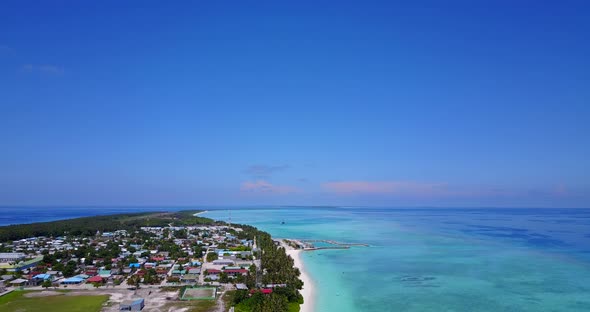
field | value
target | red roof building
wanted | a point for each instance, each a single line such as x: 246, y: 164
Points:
x: 94, y: 279
x: 236, y: 271
x: 264, y: 291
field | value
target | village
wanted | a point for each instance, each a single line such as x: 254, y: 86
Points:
x: 152, y: 269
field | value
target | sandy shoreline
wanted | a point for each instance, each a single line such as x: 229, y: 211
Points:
x: 308, y: 288
x: 198, y: 213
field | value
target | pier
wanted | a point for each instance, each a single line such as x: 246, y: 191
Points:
x: 307, y: 244
x: 335, y: 242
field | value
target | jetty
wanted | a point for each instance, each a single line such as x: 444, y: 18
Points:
x: 335, y: 242
x: 307, y: 244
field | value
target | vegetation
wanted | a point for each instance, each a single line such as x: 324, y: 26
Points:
x: 88, y: 226
x: 16, y: 301
x: 212, y: 256
x: 279, y: 269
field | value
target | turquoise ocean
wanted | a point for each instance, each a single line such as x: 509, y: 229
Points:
x: 439, y: 259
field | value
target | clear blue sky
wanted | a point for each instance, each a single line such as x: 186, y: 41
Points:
x: 462, y: 104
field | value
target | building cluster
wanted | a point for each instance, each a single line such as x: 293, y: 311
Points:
x: 164, y: 256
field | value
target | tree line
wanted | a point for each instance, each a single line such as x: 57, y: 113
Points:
x: 88, y: 226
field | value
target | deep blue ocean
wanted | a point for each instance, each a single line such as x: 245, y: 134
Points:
x: 421, y: 259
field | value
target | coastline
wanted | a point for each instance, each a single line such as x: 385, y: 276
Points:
x: 308, y: 288
x: 199, y: 213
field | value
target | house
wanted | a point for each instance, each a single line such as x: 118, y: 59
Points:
x: 132, y: 305
x: 104, y: 273
x: 236, y: 272
x: 6, y: 277
x: 19, y: 282
x: 264, y: 291
x: 189, y: 278
x: 91, y: 271
x: 134, y: 265
x: 223, y: 262
x: 241, y: 287
x: 94, y: 279
x: 275, y: 285
x: 149, y: 265
x: 194, y: 271
x: 178, y: 272
x: 43, y: 277
x: 161, y: 270
x: 213, y: 272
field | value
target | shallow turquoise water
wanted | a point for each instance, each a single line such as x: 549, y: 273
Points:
x: 440, y: 260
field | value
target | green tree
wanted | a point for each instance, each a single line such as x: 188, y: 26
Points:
x: 212, y: 256
x: 134, y: 280
x: 70, y: 269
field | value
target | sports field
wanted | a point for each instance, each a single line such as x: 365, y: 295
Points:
x: 199, y: 293
x: 19, y: 301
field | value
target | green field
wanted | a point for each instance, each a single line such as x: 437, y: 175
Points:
x: 16, y: 301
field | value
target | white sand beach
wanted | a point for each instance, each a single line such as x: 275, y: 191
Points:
x: 198, y: 213
x: 308, y: 290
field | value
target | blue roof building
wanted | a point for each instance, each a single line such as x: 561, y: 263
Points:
x: 73, y: 280
x: 43, y: 277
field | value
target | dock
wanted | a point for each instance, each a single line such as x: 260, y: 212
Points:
x: 307, y: 244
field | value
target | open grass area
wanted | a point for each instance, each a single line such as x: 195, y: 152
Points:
x: 16, y: 301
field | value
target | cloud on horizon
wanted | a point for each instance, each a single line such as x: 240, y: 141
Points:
x: 262, y: 186
x: 265, y: 171
x: 385, y: 188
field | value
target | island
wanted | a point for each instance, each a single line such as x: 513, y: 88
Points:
x: 157, y: 261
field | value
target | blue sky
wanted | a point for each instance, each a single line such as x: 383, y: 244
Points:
x: 461, y: 104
